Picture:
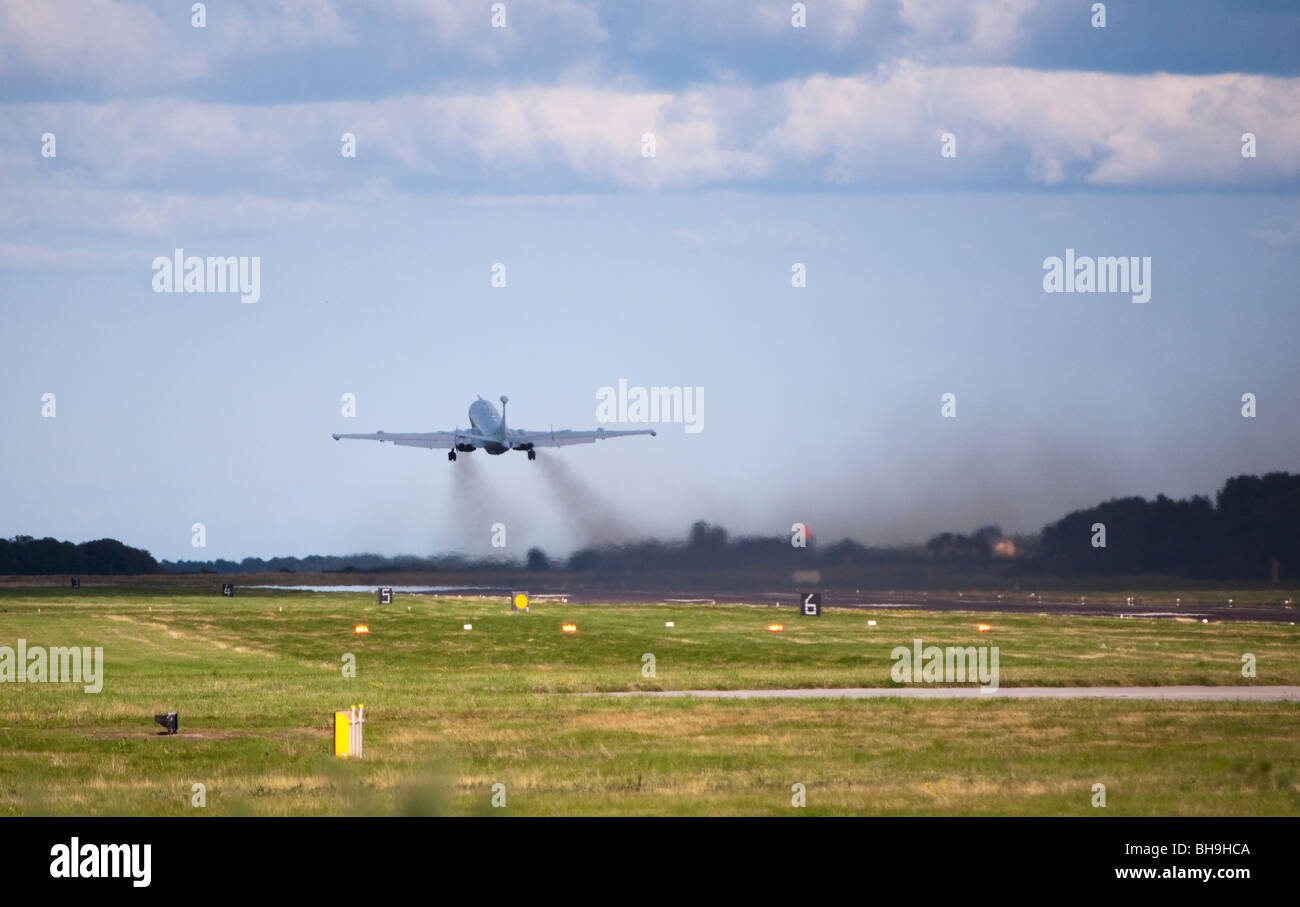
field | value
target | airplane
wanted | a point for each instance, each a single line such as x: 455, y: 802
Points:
x: 488, y: 431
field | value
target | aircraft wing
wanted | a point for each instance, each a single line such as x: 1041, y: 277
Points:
x: 435, y: 440
x: 567, y: 436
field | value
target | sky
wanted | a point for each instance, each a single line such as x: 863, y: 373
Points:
x: 920, y: 160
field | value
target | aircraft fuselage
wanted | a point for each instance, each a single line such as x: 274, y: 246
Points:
x: 488, y: 422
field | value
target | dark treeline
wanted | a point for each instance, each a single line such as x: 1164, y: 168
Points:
x: 27, y: 556
x: 347, y: 563
x: 1250, y: 529
x: 1252, y: 523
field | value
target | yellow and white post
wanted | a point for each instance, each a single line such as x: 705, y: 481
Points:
x: 348, y: 743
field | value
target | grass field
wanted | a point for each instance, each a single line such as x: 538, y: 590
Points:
x: 453, y: 712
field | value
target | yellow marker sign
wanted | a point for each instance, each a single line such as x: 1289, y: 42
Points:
x: 520, y: 601
x: 347, y: 732
x: 341, y: 734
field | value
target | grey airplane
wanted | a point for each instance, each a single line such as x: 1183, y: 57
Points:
x: 488, y: 431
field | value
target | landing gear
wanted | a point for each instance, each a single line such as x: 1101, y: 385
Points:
x: 451, y: 455
x: 532, y: 455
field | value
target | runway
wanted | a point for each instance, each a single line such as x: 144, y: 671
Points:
x: 1208, y: 606
x: 1205, y: 609
x: 1156, y: 694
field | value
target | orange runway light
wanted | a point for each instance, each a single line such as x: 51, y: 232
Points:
x: 983, y: 628
x: 775, y: 628
x: 569, y: 628
x: 361, y: 629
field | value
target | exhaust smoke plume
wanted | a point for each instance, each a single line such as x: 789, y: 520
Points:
x: 593, y: 515
x: 477, y: 506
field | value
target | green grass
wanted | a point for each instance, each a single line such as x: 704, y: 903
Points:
x: 454, y: 712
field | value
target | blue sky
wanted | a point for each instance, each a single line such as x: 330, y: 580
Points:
x: 522, y: 145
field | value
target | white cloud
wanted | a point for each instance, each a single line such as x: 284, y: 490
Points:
x: 288, y: 24
x: 1117, y: 130
x: 27, y: 256
x: 92, y: 40
x: 1283, y: 233
x: 958, y: 30
x: 129, y: 46
x: 468, y: 26
x: 1015, y: 128
x: 125, y: 214
x: 948, y: 31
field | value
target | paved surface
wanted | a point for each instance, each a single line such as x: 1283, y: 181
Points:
x: 1206, y: 609
x: 1168, y: 694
